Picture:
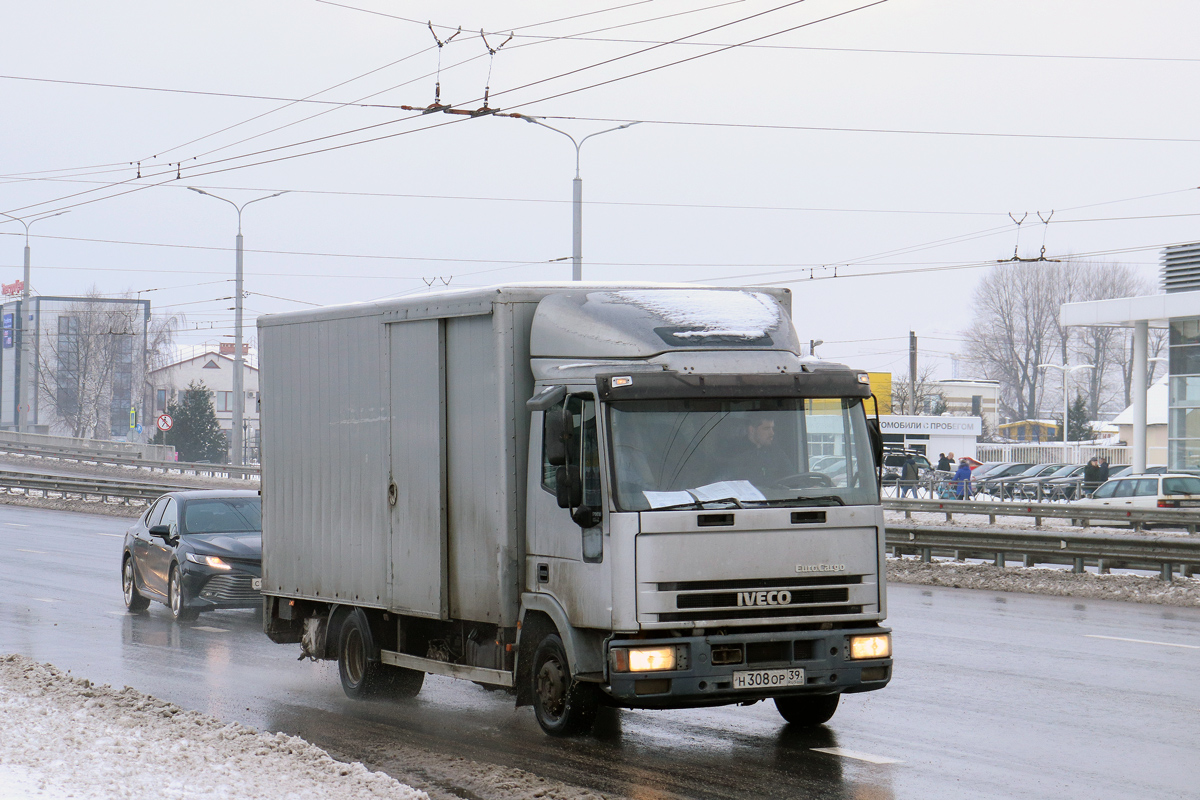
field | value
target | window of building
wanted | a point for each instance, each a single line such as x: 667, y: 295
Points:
x: 976, y: 405
x: 160, y: 400
x: 224, y: 401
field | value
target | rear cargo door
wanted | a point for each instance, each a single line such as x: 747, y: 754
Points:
x: 417, y: 493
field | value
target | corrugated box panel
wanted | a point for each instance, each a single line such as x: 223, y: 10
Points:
x: 325, y: 439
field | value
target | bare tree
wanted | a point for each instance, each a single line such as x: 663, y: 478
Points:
x: 929, y: 394
x: 1016, y: 312
x: 90, y: 362
x: 1101, y: 346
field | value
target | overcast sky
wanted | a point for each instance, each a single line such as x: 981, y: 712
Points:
x: 962, y: 113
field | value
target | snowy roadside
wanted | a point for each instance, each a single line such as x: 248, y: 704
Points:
x: 64, y: 737
x: 1045, y: 580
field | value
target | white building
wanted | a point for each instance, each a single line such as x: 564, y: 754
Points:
x: 972, y: 397
x: 932, y: 435
x: 1156, y: 423
x: 215, y: 371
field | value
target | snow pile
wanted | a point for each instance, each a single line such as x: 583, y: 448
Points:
x: 65, y: 737
x: 1045, y: 580
x: 705, y: 313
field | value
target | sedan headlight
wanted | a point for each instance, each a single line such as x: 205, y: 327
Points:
x: 879, y: 646
x: 648, y: 659
x: 209, y: 561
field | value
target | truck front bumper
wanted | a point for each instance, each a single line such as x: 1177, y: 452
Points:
x: 706, y: 674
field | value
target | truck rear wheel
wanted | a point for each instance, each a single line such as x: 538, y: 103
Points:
x: 806, y: 711
x: 361, y: 673
x: 563, y: 706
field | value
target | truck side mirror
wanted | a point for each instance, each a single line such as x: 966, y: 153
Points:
x: 555, y: 445
x: 586, y: 517
x: 876, y: 437
x: 568, y: 488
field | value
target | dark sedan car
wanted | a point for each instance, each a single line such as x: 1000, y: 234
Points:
x: 195, y: 551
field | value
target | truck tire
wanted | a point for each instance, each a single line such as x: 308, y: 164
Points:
x: 807, y: 710
x: 563, y: 707
x: 361, y: 674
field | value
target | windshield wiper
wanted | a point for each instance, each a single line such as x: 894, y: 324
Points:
x: 819, y: 500
x: 698, y: 504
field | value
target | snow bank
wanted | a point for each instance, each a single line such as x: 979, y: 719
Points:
x: 1045, y: 580
x: 64, y: 737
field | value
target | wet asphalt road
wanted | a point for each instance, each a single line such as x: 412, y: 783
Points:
x: 995, y: 695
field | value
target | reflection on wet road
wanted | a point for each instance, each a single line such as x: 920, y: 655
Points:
x: 995, y: 695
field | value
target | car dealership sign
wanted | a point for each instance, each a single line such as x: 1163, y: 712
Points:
x: 945, y: 425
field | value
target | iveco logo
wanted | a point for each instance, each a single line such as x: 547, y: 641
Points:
x: 820, y: 568
x: 764, y: 598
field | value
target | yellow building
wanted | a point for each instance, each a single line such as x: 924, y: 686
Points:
x: 881, y: 387
x: 1032, y: 430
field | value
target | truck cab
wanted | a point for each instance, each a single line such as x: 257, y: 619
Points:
x: 703, y: 512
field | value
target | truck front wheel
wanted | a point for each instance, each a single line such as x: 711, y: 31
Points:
x: 563, y: 706
x: 806, y: 711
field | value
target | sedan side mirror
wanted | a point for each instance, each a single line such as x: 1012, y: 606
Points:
x: 161, y: 532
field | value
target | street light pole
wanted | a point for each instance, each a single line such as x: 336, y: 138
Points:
x: 26, y: 354
x: 576, y: 192
x: 239, y: 394
x: 1066, y: 370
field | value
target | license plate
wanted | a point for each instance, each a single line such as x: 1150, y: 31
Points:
x: 1188, y: 503
x: 256, y: 583
x: 767, y: 678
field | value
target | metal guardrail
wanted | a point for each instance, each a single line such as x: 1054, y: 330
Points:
x: 1104, y: 551
x: 84, y: 488
x: 83, y: 455
x: 1082, y: 515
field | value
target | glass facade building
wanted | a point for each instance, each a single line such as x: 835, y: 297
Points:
x: 1183, y: 409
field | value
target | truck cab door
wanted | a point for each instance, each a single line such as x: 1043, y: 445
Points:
x: 566, y: 559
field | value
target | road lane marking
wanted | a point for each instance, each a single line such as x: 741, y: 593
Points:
x: 209, y: 629
x: 844, y: 753
x: 1141, y: 641
x: 23, y: 550
x: 45, y: 599
x: 117, y: 535
x: 16, y: 524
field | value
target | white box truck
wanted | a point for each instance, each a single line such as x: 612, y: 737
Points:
x: 640, y: 496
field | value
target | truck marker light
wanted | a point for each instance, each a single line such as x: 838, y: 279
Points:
x: 864, y: 378
x: 871, y: 646
x: 624, y: 380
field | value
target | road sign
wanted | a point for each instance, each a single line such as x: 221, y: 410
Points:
x: 164, y: 422
x: 139, y: 427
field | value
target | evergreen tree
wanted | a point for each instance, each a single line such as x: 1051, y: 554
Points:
x: 1079, y: 427
x: 196, y: 435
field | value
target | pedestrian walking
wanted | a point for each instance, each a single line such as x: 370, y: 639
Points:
x: 909, y: 474
x: 1091, y: 476
x: 943, y: 464
x: 1103, y: 469
x: 962, y: 480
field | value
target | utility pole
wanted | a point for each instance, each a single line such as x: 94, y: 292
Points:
x: 26, y: 354
x: 239, y: 394
x: 576, y: 192
x: 912, y: 370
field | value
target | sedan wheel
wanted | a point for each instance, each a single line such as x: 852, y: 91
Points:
x: 134, y: 600
x: 175, y: 596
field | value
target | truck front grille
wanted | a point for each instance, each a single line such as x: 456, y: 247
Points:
x: 755, y: 598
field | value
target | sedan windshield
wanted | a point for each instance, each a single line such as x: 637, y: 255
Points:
x: 779, y: 452
x: 222, y: 515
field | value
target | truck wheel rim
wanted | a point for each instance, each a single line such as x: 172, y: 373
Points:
x: 552, y: 688
x: 354, y: 657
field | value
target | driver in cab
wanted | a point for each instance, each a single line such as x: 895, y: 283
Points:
x: 760, y: 459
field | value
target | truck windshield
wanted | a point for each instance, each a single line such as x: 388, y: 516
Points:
x: 761, y: 452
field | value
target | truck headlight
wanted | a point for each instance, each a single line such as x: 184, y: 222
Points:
x: 879, y: 646
x: 647, y: 659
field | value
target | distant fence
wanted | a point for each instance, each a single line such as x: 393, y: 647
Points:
x: 1050, y: 453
